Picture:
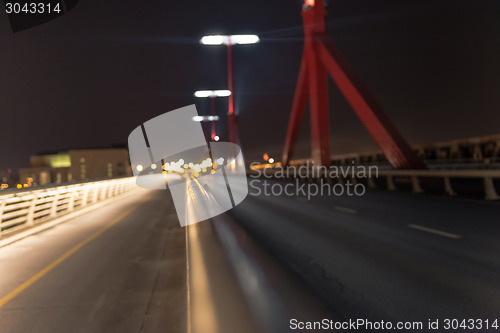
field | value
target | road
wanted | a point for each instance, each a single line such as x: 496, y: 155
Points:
x: 385, y: 256
x: 130, y: 267
x: 109, y: 265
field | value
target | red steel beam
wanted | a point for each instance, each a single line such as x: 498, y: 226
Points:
x: 397, y: 151
x: 298, y: 108
x: 320, y: 57
x: 318, y: 90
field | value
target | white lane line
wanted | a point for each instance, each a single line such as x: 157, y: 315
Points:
x: 434, y: 231
x: 345, y: 209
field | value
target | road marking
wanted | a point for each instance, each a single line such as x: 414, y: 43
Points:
x: 434, y: 231
x: 4, y: 300
x: 345, y: 209
x: 188, y: 279
x: 202, y: 305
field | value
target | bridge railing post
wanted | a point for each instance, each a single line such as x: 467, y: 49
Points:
x: 71, y: 203
x: 416, y: 188
x: 390, y: 184
x: 371, y: 183
x: 2, y: 208
x: 30, y: 217
x: 55, y: 201
x: 448, y: 188
x: 489, y: 189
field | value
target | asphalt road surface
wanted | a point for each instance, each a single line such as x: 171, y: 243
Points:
x: 130, y: 267
x: 385, y: 256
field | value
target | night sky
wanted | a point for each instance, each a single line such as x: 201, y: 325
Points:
x: 88, y: 78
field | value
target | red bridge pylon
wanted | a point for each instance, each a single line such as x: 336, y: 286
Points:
x: 320, y: 58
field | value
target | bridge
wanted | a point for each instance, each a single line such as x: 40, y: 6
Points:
x: 404, y: 238
x: 109, y: 256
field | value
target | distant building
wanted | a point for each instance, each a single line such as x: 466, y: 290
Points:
x: 75, y: 165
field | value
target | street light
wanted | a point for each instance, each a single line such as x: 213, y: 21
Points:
x: 212, y: 93
x: 213, y: 118
x: 229, y: 41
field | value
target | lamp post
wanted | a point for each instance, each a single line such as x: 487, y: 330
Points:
x: 212, y: 94
x: 229, y: 41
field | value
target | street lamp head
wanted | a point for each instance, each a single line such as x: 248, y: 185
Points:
x: 214, y: 40
x: 229, y: 39
x: 205, y: 118
x: 244, y: 39
x: 212, y: 93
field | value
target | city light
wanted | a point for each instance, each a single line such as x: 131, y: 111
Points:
x: 232, y: 39
x: 214, y: 40
x: 216, y: 138
x: 310, y: 3
x: 212, y: 93
x: 153, y: 166
x: 271, y: 160
x: 139, y: 167
x: 205, y: 118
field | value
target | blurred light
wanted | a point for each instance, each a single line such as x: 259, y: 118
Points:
x: 310, y: 3
x: 222, y: 93
x: 216, y: 138
x: 220, y: 161
x: 212, y: 93
x: 265, y: 157
x: 19, y: 186
x: 205, y: 118
x: 214, y: 40
x: 232, y: 39
x: 153, y: 166
x: 25, y: 185
x: 271, y: 160
x: 139, y: 167
x: 244, y: 39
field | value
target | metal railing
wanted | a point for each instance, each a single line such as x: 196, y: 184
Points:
x: 487, y: 177
x: 28, y: 208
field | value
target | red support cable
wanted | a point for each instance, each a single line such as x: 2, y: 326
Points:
x: 298, y: 108
x: 320, y: 58
x: 231, y: 116
x: 212, y: 106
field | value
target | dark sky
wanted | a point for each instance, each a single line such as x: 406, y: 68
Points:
x: 88, y: 78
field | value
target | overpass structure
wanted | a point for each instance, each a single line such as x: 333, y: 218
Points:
x: 419, y: 245
x: 121, y: 262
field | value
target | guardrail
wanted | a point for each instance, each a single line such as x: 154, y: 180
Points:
x: 486, y: 175
x: 26, y: 209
